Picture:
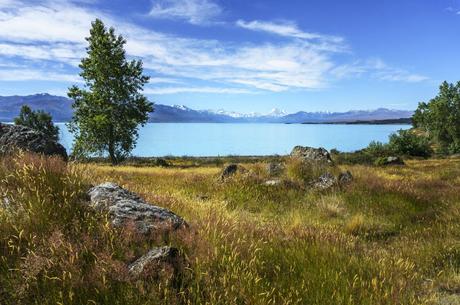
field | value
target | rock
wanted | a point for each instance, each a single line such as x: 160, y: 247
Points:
x: 275, y: 169
x: 273, y: 182
x: 389, y: 161
x: 311, y: 154
x: 345, y: 177
x: 20, y: 137
x: 231, y: 170
x: 154, y: 260
x: 160, y: 162
x: 325, y: 181
x: 126, y: 208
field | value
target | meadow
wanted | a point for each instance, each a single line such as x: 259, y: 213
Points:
x: 392, y: 236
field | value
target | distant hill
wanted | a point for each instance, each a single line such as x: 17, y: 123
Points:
x: 61, y: 110
x: 59, y: 107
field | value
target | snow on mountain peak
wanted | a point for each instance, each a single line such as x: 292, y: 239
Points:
x: 277, y: 112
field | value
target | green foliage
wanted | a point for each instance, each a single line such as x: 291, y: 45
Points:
x: 38, y: 120
x: 408, y: 143
x: 108, y: 111
x: 378, y: 149
x: 441, y: 117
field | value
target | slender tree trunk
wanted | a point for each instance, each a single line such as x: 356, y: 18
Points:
x: 113, y: 157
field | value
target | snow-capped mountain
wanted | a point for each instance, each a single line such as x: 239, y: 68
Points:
x: 277, y: 113
x: 61, y: 110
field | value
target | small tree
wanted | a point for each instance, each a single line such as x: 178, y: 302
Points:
x: 441, y: 117
x: 38, y: 120
x: 108, y: 111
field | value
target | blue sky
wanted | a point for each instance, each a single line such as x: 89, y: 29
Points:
x: 246, y: 56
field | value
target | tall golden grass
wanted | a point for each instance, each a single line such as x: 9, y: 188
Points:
x: 391, y: 237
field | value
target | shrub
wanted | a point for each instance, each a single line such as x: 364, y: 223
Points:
x: 377, y: 149
x: 300, y: 170
x: 406, y: 142
x: 38, y: 120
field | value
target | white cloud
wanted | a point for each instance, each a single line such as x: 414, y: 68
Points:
x: 36, y: 74
x: 378, y: 69
x: 175, y: 90
x: 193, y: 11
x: 54, y: 31
x: 287, y: 29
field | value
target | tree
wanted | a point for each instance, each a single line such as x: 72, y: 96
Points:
x: 441, y: 117
x: 110, y: 107
x: 38, y: 120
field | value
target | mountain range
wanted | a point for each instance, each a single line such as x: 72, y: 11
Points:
x: 61, y: 110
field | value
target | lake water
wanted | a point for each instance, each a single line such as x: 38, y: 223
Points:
x: 214, y: 139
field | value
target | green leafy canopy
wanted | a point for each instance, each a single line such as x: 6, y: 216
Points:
x: 440, y: 117
x: 110, y: 107
x: 37, y: 120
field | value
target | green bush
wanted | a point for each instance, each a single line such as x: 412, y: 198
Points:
x: 38, y: 120
x: 377, y: 149
x: 406, y: 142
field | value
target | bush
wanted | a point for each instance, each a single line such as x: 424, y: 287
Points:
x: 406, y: 142
x: 38, y: 120
x: 303, y: 171
x: 377, y: 149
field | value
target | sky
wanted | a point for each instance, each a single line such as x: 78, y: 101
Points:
x: 245, y: 56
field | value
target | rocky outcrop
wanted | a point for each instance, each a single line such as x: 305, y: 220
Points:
x: 13, y: 137
x: 311, y: 154
x: 156, y: 259
x: 275, y: 169
x: 126, y: 208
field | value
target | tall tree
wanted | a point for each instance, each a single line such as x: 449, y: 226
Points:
x: 440, y: 117
x: 38, y: 120
x: 110, y: 107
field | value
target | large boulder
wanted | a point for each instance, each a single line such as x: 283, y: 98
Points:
x: 311, y: 154
x: 126, y: 208
x: 14, y: 137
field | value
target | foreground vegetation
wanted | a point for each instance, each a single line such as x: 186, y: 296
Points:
x: 390, y: 237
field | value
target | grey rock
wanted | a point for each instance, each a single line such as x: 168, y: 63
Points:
x: 345, y: 177
x: 325, y: 181
x: 273, y: 182
x: 390, y: 161
x: 154, y: 259
x: 275, y: 169
x: 311, y: 154
x: 14, y: 137
x: 229, y: 170
x: 126, y: 208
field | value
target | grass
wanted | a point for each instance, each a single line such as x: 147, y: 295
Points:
x: 390, y: 237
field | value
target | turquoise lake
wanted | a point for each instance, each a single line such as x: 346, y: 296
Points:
x: 217, y: 139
